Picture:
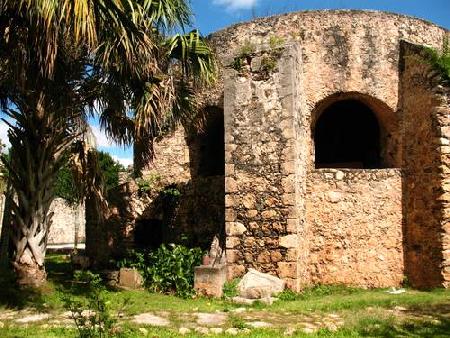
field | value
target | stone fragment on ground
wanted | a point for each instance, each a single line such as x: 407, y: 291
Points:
x: 130, y: 279
x: 150, y: 319
x: 289, y: 331
x: 259, y: 325
x: 143, y: 330
x: 202, y: 330
x: 33, y: 318
x: 184, y: 330
x: 247, y: 301
x: 258, y: 285
x: 216, y: 330
x: 211, y: 319
x: 232, y: 331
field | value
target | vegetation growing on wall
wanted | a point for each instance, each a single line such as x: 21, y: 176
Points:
x: 441, y: 60
x: 269, y: 56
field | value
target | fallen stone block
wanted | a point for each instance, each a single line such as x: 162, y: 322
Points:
x: 258, y: 285
x: 130, y: 279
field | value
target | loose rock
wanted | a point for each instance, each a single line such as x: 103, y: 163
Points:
x: 150, y: 319
x: 257, y: 285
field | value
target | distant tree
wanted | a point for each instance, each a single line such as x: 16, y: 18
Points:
x: 66, y: 182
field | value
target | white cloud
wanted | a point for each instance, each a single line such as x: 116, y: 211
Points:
x: 236, y: 4
x: 100, y: 138
x: 123, y: 160
x: 4, y: 134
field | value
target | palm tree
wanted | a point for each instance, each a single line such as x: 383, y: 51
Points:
x: 64, y: 61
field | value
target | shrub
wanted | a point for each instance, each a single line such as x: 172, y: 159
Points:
x: 92, y: 316
x: 440, y: 61
x: 230, y: 288
x: 169, y: 269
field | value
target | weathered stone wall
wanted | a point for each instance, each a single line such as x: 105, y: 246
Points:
x: 343, y: 50
x: 426, y: 111
x: 278, y: 214
x: 68, y: 223
x: 171, y: 161
x: 269, y: 123
x: 260, y: 156
x: 355, y: 220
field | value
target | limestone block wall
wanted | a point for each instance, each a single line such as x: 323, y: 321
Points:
x: 355, y: 221
x: 260, y: 155
x: 68, y: 223
x: 278, y: 218
x: 343, y: 50
x: 171, y: 161
x: 426, y: 111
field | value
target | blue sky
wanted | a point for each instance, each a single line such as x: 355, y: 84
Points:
x: 212, y: 15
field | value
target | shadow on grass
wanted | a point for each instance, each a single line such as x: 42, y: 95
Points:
x: 14, y: 297
x: 380, y: 328
x: 61, y: 283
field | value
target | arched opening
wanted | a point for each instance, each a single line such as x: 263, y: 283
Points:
x: 347, y: 135
x: 207, y: 147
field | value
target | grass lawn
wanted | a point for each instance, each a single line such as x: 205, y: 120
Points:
x: 332, y: 311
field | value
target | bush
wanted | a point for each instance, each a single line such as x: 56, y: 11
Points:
x: 440, y: 61
x: 92, y: 316
x: 169, y: 269
x: 230, y: 288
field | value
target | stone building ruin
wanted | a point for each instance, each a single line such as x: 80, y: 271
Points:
x: 326, y: 156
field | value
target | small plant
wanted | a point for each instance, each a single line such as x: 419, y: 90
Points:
x: 275, y: 42
x: 171, y: 192
x: 237, y: 63
x: 230, y: 288
x: 247, y: 49
x: 268, y: 64
x: 132, y: 259
x: 245, y: 53
x: 288, y: 295
x: 171, y: 269
x: 441, y: 61
x: 92, y: 317
x: 236, y: 322
x: 148, y: 183
x: 406, y: 282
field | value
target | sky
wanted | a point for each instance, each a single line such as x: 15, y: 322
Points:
x: 212, y: 15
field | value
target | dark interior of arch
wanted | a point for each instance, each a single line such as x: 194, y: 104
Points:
x: 347, y: 135
x: 211, y: 144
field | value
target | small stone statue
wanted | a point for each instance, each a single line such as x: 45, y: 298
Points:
x: 216, y: 253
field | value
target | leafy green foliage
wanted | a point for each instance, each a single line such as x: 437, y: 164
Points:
x: 275, y: 42
x: 66, y: 188
x: 230, y: 288
x: 92, y: 316
x: 148, y: 183
x: 237, y: 322
x: 169, y: 269
x: 441, y: 60
x: 110, y: 169
x: 247, y: 49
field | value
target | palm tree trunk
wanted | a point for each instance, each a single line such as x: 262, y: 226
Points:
x: 38, y: 143
x: 6, y: 231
